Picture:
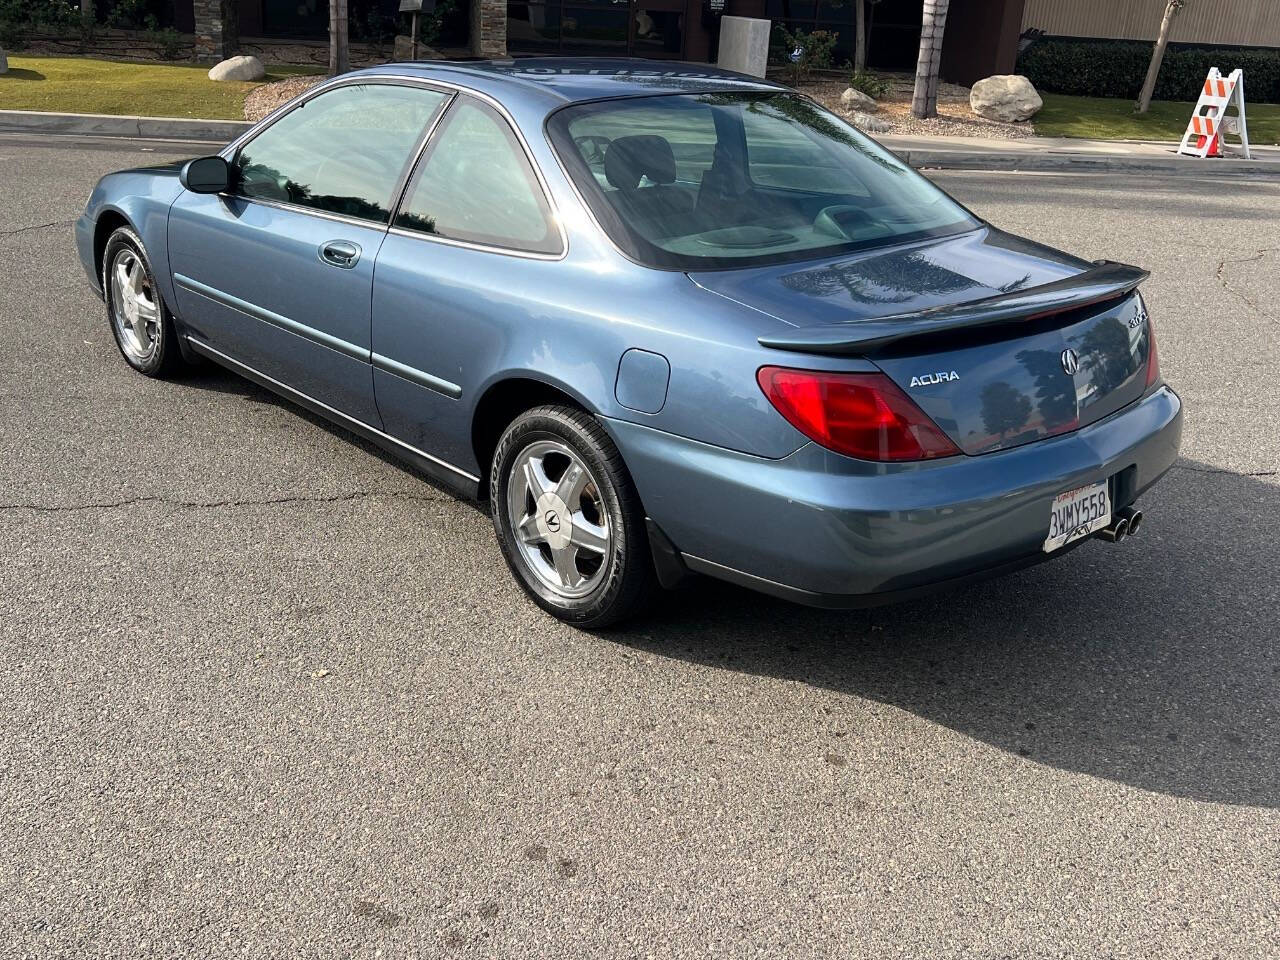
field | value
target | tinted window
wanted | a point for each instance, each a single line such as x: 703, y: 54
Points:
x: 475, y: 184
x: 727, y: 179
x: 342, y: 151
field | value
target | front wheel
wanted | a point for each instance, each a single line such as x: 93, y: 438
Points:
x: 140, y: 322
x: 568, y: 519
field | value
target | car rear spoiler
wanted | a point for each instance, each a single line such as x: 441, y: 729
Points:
x: 1104, y: 281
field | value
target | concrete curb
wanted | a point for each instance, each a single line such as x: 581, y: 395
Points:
x: 1170, y: 166
x: 224, y: 131
x: 102, y: 125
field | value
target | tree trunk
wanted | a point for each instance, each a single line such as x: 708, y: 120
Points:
x: 924, y: 101
x: 860, y: 36
x: 1157, y: 56
x: 339, y: 60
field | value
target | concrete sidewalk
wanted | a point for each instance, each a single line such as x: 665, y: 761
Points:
x: 107, y: 125
x: 1042, y: 154
x: 1064, y: 155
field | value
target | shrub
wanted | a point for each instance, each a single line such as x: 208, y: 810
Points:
x: 169, y: 41
x: 18, y: 18
x: 372, y: 27
x: 815, y: 51
x: 1116, y: 68
x: 130, y: 15
x: 440, y: 23
x: 868, y: 83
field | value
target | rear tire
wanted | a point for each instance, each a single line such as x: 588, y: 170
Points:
x: 568, y: 518
x: 140, y: 322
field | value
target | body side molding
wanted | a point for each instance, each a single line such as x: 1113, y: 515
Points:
x: 345, y: 347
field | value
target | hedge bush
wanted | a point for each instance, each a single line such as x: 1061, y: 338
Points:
x: 20, y: 17
x: 1116, y: 68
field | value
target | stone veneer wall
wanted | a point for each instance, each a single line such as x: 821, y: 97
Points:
x: 217, y: 34
x: 488, y: 28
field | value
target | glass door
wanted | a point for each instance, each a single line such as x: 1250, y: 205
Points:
x: 594, y: 28
x: 601, y: 28
x: 657, y: 28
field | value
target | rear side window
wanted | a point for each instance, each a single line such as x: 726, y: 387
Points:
x: 342, y: 151
x: 475, y: 185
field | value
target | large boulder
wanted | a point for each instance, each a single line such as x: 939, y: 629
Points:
x: 857, y: 100
x: 1007, y: 98
x: 238, y: 69
x: 870, y: 124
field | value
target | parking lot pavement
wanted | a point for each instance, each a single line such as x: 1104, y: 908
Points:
x: 265, y: 693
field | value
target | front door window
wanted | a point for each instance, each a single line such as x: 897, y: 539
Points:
x: 342, y: 151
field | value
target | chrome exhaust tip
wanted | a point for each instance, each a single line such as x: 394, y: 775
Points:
x: 1134, y: 518
x: 1118, y: 530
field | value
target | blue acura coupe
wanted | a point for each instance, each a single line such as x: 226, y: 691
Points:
x: 667, y: 320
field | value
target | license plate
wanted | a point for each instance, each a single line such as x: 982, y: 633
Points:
x: 1077, y: 513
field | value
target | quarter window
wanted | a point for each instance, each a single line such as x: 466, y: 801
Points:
x: 342, y: 151
x: 475, y: 184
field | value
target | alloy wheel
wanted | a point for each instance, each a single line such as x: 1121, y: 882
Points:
x: 558, y: 519
x: 135, y: 308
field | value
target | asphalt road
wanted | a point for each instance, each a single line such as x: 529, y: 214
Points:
x: 266, y: 693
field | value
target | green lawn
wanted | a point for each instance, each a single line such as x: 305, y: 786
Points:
x: 1094, y: 118
x: 79, y: 85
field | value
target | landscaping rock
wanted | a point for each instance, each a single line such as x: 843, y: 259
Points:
x: 857, y: 100
x: 865, y: 121
x: 403, y: 48
x: 238, y: 69
x: 262, y: 100
x: 1007, y: 98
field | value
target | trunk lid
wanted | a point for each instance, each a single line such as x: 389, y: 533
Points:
x: 999, y: 340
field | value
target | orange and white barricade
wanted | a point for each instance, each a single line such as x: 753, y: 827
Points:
x: 1209, y: 121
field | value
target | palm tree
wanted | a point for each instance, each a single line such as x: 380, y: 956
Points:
x: 1157, y: 56
x: 339, y: 58
x: 924, y: 102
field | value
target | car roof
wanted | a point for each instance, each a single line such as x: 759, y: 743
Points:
x: 561, y: 80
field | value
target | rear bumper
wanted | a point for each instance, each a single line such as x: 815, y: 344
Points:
x: 827, y: 530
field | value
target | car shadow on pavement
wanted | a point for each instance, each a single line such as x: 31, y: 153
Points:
x: 216, y: 380
x: 1154, y: 662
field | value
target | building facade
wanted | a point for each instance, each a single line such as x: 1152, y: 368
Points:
x: 981, y: 37
x: 1225, y: 23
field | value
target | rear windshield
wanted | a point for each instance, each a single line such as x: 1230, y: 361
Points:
x: 694, y: 181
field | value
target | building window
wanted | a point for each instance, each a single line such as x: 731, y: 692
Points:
x: 893, y: 33
x: 648, y: 28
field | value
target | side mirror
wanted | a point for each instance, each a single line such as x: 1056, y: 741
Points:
x: 206, y: 175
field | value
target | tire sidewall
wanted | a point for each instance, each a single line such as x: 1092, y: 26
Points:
x: 125, y: 238
x: 597, y: 607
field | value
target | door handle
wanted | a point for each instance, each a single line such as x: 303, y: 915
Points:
x: 340, y: 253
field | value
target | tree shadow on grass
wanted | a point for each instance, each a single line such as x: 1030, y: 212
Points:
x: 20, y: 73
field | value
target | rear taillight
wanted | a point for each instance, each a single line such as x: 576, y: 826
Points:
x: 862, y: 415
x: 1153, y: 357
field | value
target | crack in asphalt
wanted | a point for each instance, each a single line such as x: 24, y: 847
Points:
x: 37, y: 226
x: 219, y: 504
x: 1226, y: 285
x: 1234, y: 473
